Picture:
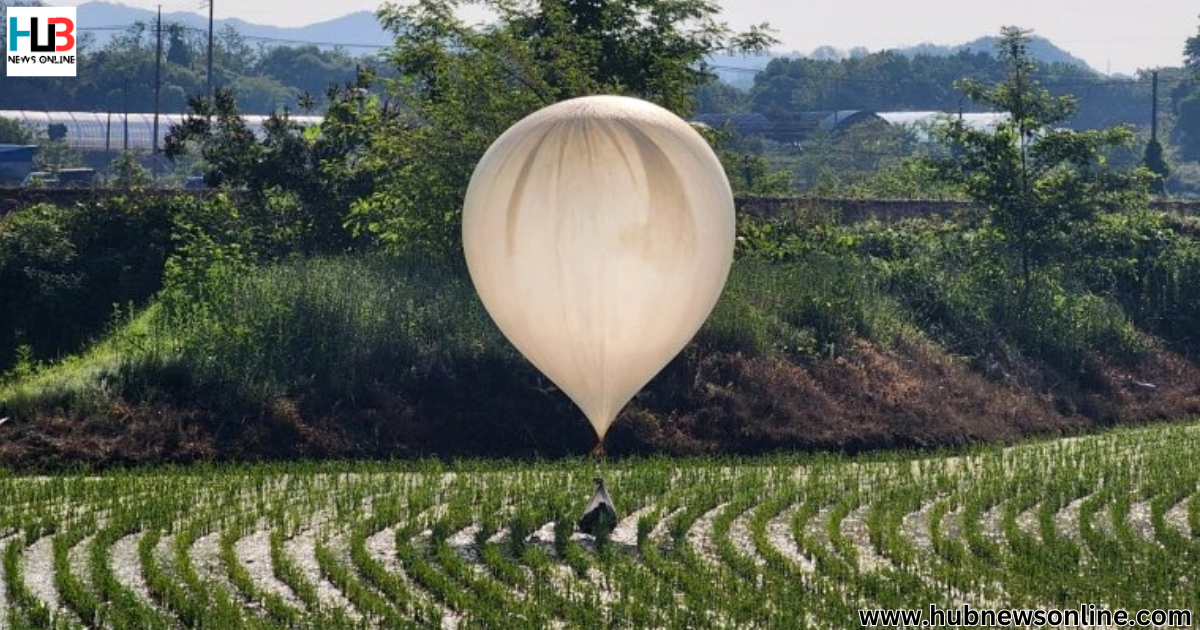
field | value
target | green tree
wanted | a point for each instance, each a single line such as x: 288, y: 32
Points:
x: 751, y: 174
x: 833, y: 162
x: 178, y: 50
x: 461, y: 86
x: 1040, y: 183
x: 1187, y: 102
x: 1187, y: 123
x: 307, y: 68
x: 127, y: 172
x: 300, y: 179
x: 718, y: 97
x: 1191, y: 51
x: 1155, y: 162
x: 123, y: 70
x: 54, y: 155
x: 14, y: 132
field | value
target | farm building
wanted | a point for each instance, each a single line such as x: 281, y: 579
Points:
x: 16, y: 161
x: 786, y: 131
x: 115, y: 131
x: 806, y: 123
x: 921, y: 122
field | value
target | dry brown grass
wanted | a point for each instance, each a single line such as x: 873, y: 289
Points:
x: 913, y: 396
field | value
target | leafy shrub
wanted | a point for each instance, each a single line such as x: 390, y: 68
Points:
x: 332, y: 327
x: 1150, y: 265
x: 63, y: 268
x: 952, y: 281
x: 813, y: 303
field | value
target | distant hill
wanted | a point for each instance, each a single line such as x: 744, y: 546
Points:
x: 1040, y: 48
x: 359, y: 32
x: 739, y: 70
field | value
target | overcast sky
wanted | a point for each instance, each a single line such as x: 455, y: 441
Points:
x: 1111, y: 35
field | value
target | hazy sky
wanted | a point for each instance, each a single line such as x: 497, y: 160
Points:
x: 1116, y: 35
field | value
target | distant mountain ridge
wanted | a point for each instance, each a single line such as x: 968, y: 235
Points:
x: 1040, y: 49
x: 738, y: 70
x: 359, y: 32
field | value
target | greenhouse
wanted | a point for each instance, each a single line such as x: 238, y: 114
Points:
x: 117, y: 131
x: 921, y: 122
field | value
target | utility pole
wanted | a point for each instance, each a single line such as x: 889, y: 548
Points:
x: 126, y: 149
x: 108, y: 138
x: 210, y: 46
x: 1154, y: 107
x: 157, y: 89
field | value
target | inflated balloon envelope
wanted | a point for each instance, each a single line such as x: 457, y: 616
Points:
x: 599, y: 233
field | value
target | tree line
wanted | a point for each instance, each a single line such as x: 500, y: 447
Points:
x: 119, y: 75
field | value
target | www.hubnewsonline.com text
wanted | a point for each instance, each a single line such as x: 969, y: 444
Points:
x: 1088, y: 615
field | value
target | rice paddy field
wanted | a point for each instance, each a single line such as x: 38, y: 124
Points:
x: 781, y: 542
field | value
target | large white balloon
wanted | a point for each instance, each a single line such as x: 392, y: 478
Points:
x: 599, y: 232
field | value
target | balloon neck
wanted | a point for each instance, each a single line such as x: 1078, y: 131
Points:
x: 598, y: 450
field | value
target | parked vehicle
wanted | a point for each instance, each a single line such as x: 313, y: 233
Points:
x: 77, y: 177
x: 63, y: 178
x: 40, y: 179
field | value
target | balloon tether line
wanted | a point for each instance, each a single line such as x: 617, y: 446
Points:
x: 598, y: 457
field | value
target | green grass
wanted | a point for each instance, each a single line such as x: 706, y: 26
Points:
x: 387, y: 543
x: 86, y: 380
x: 334, y: 328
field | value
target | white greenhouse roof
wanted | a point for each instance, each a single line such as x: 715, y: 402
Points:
x: 981, y: 121
x: 99, y: 131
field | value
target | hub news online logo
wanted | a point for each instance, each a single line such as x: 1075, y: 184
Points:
x: 41, y: 41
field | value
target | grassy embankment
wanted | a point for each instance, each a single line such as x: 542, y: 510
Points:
x: 828, y: 336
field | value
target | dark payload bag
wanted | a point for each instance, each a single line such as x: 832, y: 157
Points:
x: 600, y: 511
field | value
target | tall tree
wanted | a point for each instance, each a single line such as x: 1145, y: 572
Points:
x: 1154, y: 161
x: 312, y: 168
x: 1039, y: 182
x: 179, y: 52
x: 1187, y: 102
x: 461, y: 86
x: 1191, y: 51
x: 14, y: 132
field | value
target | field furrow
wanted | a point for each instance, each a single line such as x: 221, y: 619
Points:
x: 127, y: 568
x: 301, y: 550
x: 1105, y: 519
x: 254, y: 554
x: 4, y: 625
x: 37, y: 573
x: 779, y: 536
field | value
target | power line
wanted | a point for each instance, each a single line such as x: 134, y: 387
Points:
x: 258, y: 38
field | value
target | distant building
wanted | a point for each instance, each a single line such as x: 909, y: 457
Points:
x: 16, y: 162
x: 791, y: 131
x: 842, y: 119
x: 802, y: 125
x: 115, y: 131
x: 741, y: 124
x: 921, y: 122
